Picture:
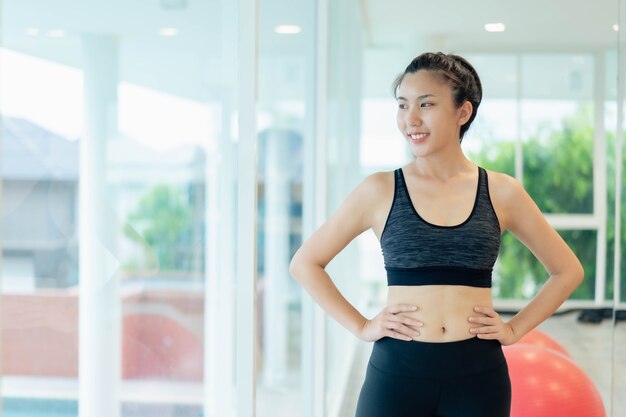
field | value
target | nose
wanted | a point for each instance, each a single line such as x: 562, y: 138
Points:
x: 414, y: 117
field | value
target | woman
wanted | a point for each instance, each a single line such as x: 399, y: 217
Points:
x: 438, y: 343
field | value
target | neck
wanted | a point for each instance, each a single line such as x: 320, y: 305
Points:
x: 446, y: 163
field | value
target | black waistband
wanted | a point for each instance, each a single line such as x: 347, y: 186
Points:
x: 436, y: 360
x: 439, y: 275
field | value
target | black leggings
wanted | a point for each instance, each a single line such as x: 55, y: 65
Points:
x: 465, y: 378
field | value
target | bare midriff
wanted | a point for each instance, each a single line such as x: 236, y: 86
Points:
x: 444, y: 309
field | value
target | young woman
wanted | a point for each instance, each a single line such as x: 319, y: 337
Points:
x: 438, y: 343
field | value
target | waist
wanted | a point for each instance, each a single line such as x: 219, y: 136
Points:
x: 436, y: 360
x: 439, y: 275
x: 443, y: 309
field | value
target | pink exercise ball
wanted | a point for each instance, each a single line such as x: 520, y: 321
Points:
x: 539, y: 338
x: 546, y: 383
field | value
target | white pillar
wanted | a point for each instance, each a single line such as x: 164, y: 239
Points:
x: 1, y: 234
x: 314, y: 145
x: 619, y: 144
x: 220, y: 248
x: 343, y: 167
x: 248, y: 29
x: 599, y: 174
x: 275, y: 274
x: 99, y: 324
x: 220, y: 275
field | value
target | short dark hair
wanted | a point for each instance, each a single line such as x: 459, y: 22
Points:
x: 456, y: 71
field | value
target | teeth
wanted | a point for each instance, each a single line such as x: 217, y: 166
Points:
x: 421, y: 135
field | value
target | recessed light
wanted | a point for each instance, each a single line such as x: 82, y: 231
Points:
x: 287, y: 29
x: 616, y: 27
x: 168, y: 32
x: 494, y: 27
x: 32, y: 31
x: 55, y: 33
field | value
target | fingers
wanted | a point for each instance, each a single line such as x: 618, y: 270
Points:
x: 390, y: 324
x: 482, y: 320
x: 488, y: 311
x: 402, y: 329
x: 399, y: 324
x: 485, y: 330
x: 488, y: 336
x: 489, y: 317
x: 490, y: 324
x: 397, y: 335
x: 405, y: 320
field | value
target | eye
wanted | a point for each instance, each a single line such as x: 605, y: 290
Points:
x: 429, y: 104
x: 400, y: 106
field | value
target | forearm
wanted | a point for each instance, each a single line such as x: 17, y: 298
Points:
x: 551, y: 295
x: 316, y: 281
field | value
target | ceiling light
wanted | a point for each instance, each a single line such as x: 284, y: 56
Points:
x: 168, y: 32
x: 494, y: 27
x: 287, y: 29
x: 32, y: 31
x: 55, y: 33
x: 616, y: 27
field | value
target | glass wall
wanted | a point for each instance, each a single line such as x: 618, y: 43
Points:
x: 144, y: 252
x: 341, y: 162
x: 286, y: 78
x: 616, y: 227
x: 118, y: 136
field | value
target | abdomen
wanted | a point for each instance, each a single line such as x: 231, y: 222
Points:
x: 444, y: 309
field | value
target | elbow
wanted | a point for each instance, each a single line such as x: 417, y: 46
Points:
x: 294, y: 266
x: 579, y: 274
x: 301, y: 266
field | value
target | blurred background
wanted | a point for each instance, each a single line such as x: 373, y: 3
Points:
x: 144, y: 259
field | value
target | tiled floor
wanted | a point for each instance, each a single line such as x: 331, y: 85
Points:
x: 590, y: 347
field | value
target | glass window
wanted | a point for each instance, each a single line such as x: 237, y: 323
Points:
x: 113, y: 119
x: 557, y: 112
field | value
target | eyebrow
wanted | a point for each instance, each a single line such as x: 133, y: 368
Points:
x: 418, y: 98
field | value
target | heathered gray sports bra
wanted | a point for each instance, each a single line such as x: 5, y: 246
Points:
x: 417, y: 252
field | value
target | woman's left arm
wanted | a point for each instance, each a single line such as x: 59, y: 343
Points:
x: 521, y: 216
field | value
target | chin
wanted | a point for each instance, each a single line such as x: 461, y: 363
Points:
x: 420, y: 150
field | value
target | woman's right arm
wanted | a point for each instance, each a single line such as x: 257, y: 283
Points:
x: 353, y: 217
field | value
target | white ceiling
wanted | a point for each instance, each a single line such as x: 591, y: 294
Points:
x: 191, y: 64
x: 387, y: 23
x: 531, y: 24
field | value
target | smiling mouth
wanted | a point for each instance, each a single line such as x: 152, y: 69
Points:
x: 419, y: 136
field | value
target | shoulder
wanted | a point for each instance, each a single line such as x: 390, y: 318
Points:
x: 373, y: 188
x: 378, y: 182
x: 508, y: 196
x: 502, y: 185
x: 371, y: 196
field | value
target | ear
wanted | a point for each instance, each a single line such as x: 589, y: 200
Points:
x: 465, y: 112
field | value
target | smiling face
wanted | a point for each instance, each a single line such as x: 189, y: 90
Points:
x: 426, y: 109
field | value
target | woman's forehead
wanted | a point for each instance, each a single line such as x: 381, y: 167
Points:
x: 422, y: 83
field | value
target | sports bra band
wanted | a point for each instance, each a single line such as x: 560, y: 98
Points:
x: 436, y: 275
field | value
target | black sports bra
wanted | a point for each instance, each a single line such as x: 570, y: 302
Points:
x: 417, y: 252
